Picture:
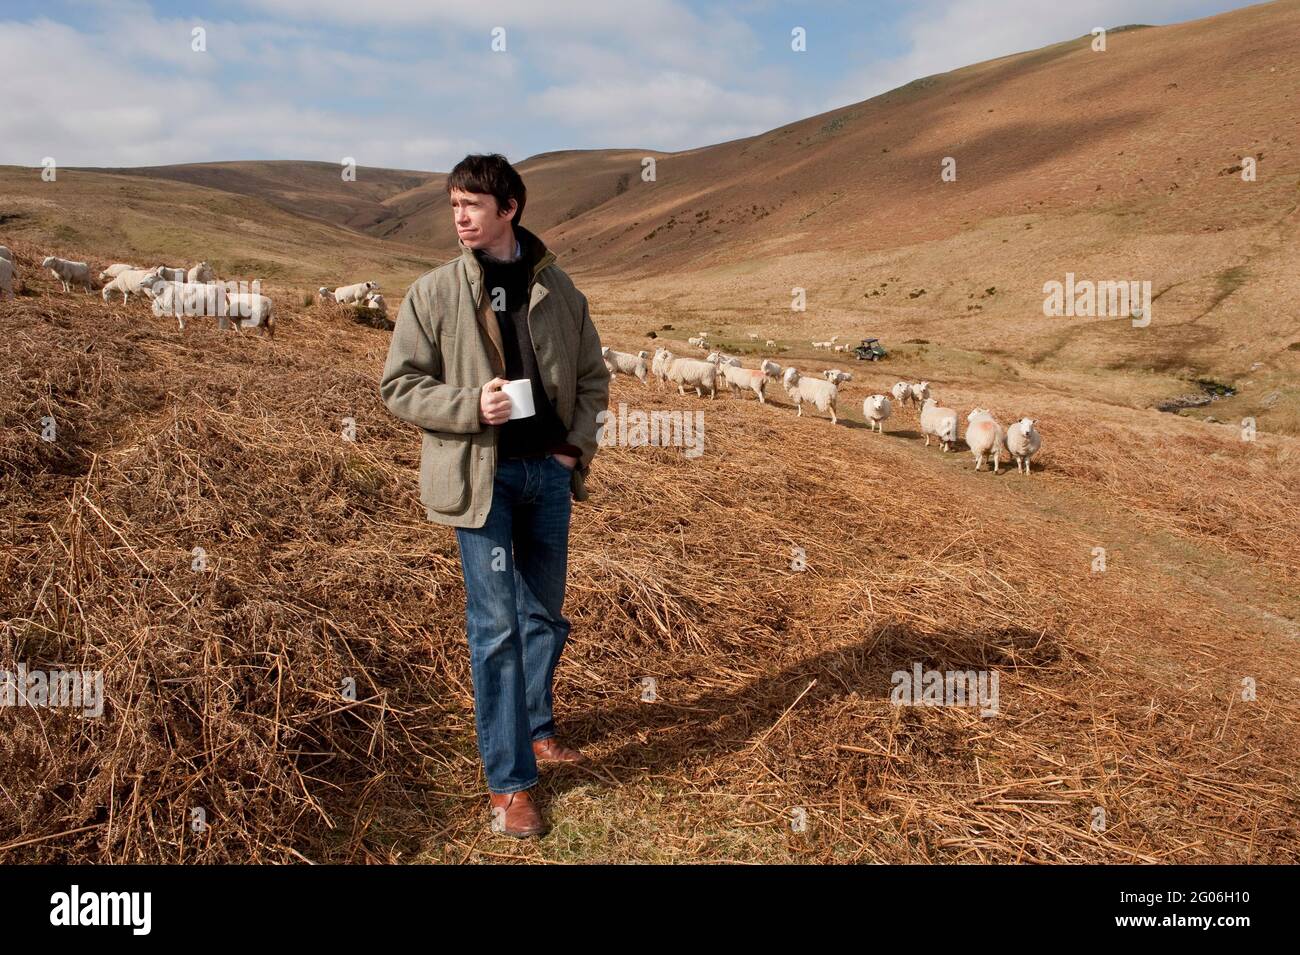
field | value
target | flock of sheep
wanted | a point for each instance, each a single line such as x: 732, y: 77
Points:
x: 177, y: 291
x: 183, y: 292
x: 985, y: 436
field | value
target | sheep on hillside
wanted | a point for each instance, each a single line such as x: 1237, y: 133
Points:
x: 984, y: 435
x: 738, y: 378
x: 132, y: 281
x: 940, y: 422
x: 113, y: 271
x: 620, y: 362
x: 251, y: 310
x: 876, y: 409
x: 902, y: 393
x: 700, y: 375
x: 68, y: 273
x: 200, y: 273
x: 822, y: 394
x: 351, y: 294
x: 1023, y: 442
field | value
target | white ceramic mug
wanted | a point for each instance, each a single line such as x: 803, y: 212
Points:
x: 520, y: 392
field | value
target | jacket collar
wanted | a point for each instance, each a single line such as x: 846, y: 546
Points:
x: 531, y: 248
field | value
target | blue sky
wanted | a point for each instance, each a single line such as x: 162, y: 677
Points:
x: 414, y: 84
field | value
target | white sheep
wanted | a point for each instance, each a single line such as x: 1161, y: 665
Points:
x: 6, y: 279
x: 251, y: 311
x: 700, y: 375
x: 659, y: 365
x: 1023, y: 442
x: 841, y: 347
x: 752, y: 379
x: 351, y: 294
x: 132, y: 280
x: 200, y: 273
x: 822, y: 394
x: 836, y: 376
x: 752, y: 336
x: 68, y: 273
x: 984, y: 435
x: 902, y: 393
x: 770, y: 343
x: 620, y: 362
x: 113, y: 271
x: 920, y: 392
x: 325, y: 294
x: 187, y: 299
x: 770, y: 368
x: 876, y: 408
x: 643, y: 354
x: 940, y: 422
x: 696, y: 342
x: 172, y: 275
x: 376, y: 303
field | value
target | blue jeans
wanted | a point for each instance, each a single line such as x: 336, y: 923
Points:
x: 515, y: 567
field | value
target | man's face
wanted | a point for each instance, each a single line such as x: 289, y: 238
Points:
x: 479, y: 223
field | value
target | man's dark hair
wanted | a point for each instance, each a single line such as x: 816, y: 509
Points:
x: 491, y: 174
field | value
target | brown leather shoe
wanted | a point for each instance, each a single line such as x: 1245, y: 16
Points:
x: 551, y: 750
x: 515, y: 814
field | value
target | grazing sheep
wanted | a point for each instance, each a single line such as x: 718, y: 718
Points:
x: 984, y: 435
x: 696, y: 342
x: 621, y: 362
x: 940, y: 422
x: 836, y: 376
x: 6, y: 279
x: 251, y: 311
x: 770, y: 343
x: 920, y: 392
x: 752, y: 336
x: 200, y: 273
x: 700, y: 375
x: 172, y: 275
x: 68, y: 273
x: 902, y: 393
x: 737, y: 378
x: 825, y: 345
x: 841, y: 347
x: 132, y: 280
x: 1023, y: 442
x: 770, y: 368
x: 113, y: 271
x: 876, y: 409
x: 822, y: 394
x: 351, y: 294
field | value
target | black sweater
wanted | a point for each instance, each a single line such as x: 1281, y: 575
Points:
x: 508, y: 289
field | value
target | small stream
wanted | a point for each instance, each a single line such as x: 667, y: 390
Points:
x: 1210, y: 391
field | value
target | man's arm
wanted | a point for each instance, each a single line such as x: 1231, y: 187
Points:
x: 592, y: 393
x: 412, y: 385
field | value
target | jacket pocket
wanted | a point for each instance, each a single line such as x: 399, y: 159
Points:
x: 444, y: 470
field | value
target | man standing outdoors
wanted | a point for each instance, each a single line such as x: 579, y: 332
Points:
x: 502, y: 312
